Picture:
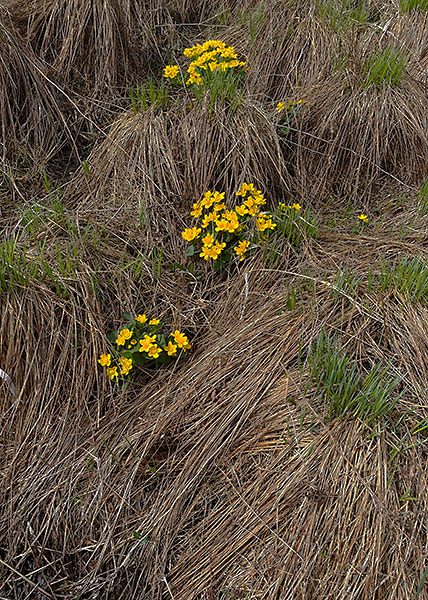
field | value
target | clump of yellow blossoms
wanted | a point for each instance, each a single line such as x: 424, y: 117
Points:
x: 142, y: 342
x: 292, y: 104
x: 224, y: 233
x: 208, y: 59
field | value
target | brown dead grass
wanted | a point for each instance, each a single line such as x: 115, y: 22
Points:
x: 32, y: 125
x: 154, y: 165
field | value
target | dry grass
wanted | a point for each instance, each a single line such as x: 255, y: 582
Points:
x: 225, y: 475
x: 32, y: 125
x: 153, y: 165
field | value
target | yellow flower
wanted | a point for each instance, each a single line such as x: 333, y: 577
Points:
x: 141, y: 318
x: 246, y: 187
x: 208, y: 240
x: 197, y: 209
x: 295, y: 206
x: 207, y: 201
x: 170, y: 71
x: 363, y: 218
x: 241, y: 210
x: 265, y: 223
x: 171, y: 349
x: 126, y: 364
x: 105, y: 360
x: 191, y: 234
x: 146, y: 342
x: 208, y: 219
x: 218, y: 196
x: 213, y: 44
x: 123, y: 335
x: 221, y: 224
x: 154, y: 351
x: 154, y: 321
x: 133, y: 342
x: 241, y: 248
x: 180, y: 338
x: 112, y: 372
x: 212, y: 65
x: 232, y: 225
x: 193, y: 52
x: 280, y: 106
x: 228, y: 52
x: 215, y: 251
x: 194, y: 78
x: 205, y: 253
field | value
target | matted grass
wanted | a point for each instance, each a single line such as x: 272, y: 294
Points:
x: 244, y: 470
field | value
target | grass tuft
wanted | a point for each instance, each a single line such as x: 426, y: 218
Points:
x: 344, y: 388
x: 384, y: 68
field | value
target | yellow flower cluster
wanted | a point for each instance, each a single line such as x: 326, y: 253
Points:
x: 291, y: 104
x: 171, y: 71
x: 212, y: 55
x: 140, y: 342
x: 228, y: 224
x: 296, y: 206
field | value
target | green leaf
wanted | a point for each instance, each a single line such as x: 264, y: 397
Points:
x: 191, y: 250
x: 112, y: 336
x: 139, y: 358
x: 127, y: 317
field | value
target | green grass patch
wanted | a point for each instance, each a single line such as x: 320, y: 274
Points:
x: 384, y: 68
x: 344, y: 388
x: 343, y: 15
x: 150, y: 94
x: 411, y: 5
x: 422, y: 199
x: 407, y: 278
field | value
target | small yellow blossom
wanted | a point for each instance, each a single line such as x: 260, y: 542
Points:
x: 210, y: 217
x: 171, y: 349
x: 216, y: 250
x: 180, y: 338
x: 296, y: 206
x: 154, y: 321
x: 141, y: 318
x: 363, y: 218
x: 126, y: 365
x: 222, y: 224
x: 112, y: 372
x: 264, y: 223
x: 205, y: 253
x: 208, y: 240
x: 241, y: 248
x: 193, y: 52
x: 170, y: 71
x: 133, y: 342
x: 146, y: 342
x: 194, y: 78
x: 105, y: 360
x: 197, y: 210
x: 191, y: 234
x: 123, y: 335
x: 154, y: 351
x: 241, y: 210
